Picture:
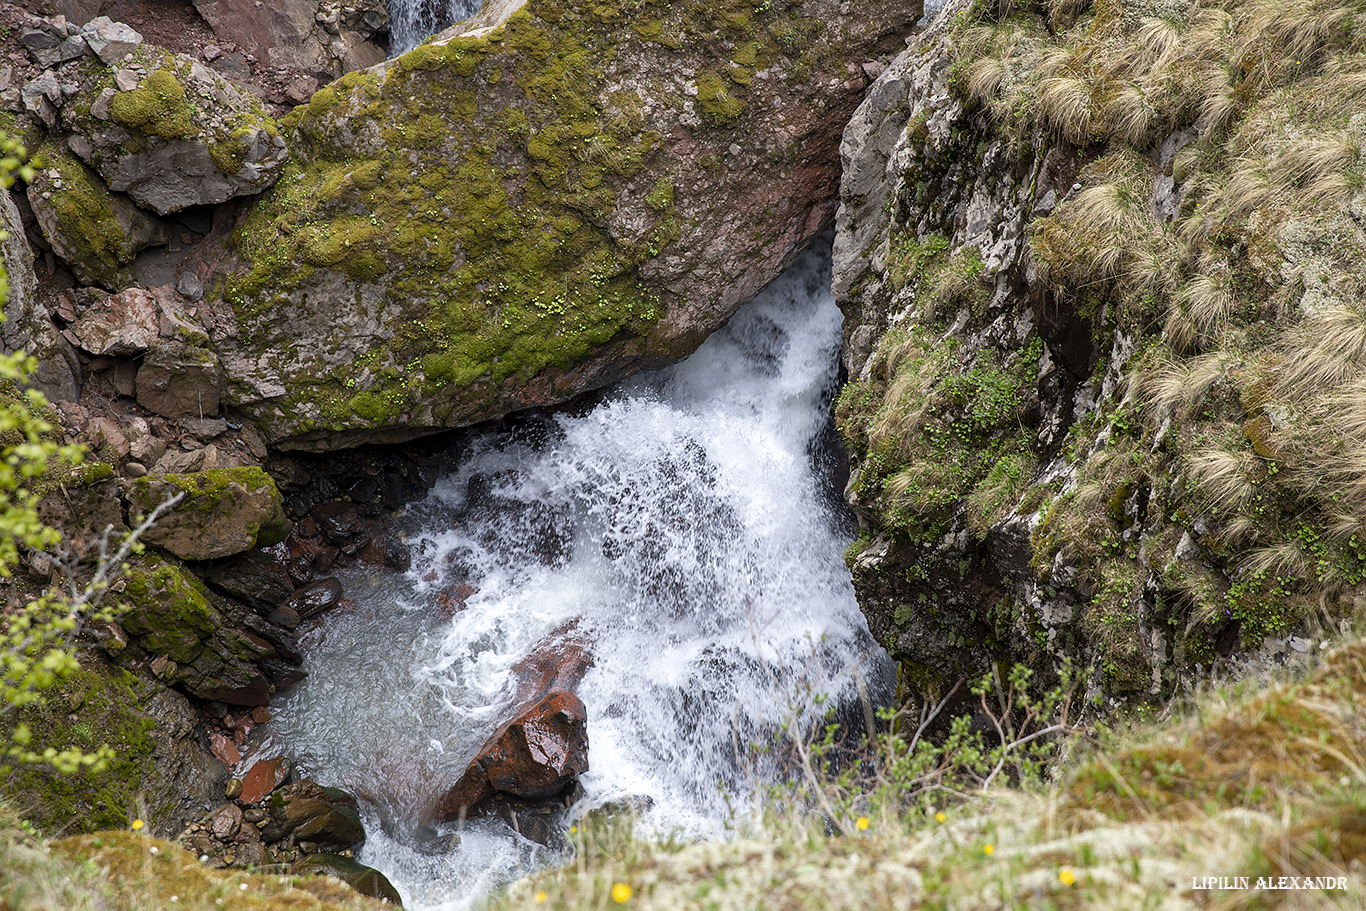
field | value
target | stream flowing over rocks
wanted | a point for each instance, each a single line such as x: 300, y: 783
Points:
x: 678, y: 545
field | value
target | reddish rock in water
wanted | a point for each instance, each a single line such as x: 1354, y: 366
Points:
x: 535, y: 755
x: 263, y: 777
x: 452, y: 601
x: 557, y: 662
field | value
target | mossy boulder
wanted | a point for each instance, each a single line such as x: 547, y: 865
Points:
x: 97, y: 232
x: 511, y: 216
x: 222, y: 512
x: 199, y: 641
x: 26, y: 326
x: 171, y: 133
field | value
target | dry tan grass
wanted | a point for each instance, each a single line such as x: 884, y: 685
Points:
x: 984, y: 79
x: 1222, y: 479
x: 1131, y: 115
x: 1066, y: 106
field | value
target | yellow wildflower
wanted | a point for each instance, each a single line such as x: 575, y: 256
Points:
x: 1067, y: 876
x: 621, y: 893
x: 540, y: 897
x: 862, y: 823
x: 940, y: 817
x: 988, y: 849
x: 137, y: 824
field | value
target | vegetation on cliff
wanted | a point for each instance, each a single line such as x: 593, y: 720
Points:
x: 1193, y: 268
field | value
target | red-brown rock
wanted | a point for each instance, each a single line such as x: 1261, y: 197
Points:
x: 557, y: 662
x: 535, y: 755
x: 263, y: 777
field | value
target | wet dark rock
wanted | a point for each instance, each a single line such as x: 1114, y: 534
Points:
x: 365, y: 880
x: 507, y: 524
x: 315, y: 599
x: 307, y: 811
x: 338, y: 521
x: 259, y: 578
x: 287, y: 617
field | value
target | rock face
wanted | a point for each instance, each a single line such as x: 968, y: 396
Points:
x: 97, y: 232
x: 204, y: 644
x: 1077, y: 430
x: 26, y: 326
x: 223, y: 512
x: 168, y: 132
x: 536, y: 755
x: 511, y: 217
x: 327, y: 38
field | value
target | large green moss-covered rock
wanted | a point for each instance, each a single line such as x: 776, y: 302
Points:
x: 222, y: 512
x: 509, y: 217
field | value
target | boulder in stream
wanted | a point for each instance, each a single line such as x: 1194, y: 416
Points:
x: 536, y: 755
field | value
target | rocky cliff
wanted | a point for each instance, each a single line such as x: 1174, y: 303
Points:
x: 1100, y: 264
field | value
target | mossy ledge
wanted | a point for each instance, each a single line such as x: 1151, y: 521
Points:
x: 504, y: 219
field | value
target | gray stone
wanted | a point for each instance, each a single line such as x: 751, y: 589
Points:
x: 121, y: 325
x: 221, y: 513
x: 27, y: 326
x: 178, y: 380
x: 301, y: 34
x: 38, y: 40
x: 168, y: 174
x: 45, y: 87
x: 111, y: 41
x: 191, y: 285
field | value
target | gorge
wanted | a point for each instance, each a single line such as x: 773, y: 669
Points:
x: 570, y: 408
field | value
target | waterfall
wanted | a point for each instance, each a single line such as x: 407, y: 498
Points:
x: 687, y: 524
x: 412, y: 21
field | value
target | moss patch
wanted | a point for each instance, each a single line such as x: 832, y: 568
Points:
x: 96, y: 706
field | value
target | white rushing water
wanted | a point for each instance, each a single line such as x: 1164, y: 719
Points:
x: 413, y: 21
x: 686, y: 524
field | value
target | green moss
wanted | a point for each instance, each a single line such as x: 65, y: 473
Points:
x: 716, y: 98
x: 213, y: 491
x: 662, y: 196
x: 157, y: 107
x: 96, y: 706
x: 167, y: 609
x: 99, y: 246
